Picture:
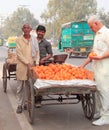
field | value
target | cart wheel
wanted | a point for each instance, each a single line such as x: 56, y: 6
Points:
x: 4, y: 77
x: 31, y: 102
x: 88, y: 105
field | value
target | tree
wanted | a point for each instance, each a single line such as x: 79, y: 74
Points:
x: 61, y: 11
x: 13, y: 24
x: 104, y: 16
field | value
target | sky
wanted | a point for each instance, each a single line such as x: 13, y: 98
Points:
x: 7, y: 7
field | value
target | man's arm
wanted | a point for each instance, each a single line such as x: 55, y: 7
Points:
x: 37, y: 57
x: 49, y: 52
x: 87, y: 61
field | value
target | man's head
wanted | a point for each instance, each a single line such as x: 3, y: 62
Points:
x: 94, y: 23
x: 40, y: 30
x: 26, y: 29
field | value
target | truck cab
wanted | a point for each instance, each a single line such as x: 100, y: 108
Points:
x: 76, y: 38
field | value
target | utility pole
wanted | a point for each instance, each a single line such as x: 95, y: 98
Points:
x: 54, y: 23
x: 24, y: 6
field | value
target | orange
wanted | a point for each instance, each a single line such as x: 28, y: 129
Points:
x: 92, y: 54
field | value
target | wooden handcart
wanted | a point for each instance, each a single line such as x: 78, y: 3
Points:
x: 61, y: 92
x: 9, y: 67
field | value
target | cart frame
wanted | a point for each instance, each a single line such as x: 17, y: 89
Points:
x: 85, y: 95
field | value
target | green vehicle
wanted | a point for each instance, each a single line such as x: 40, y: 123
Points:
x: 1, y: 41
x: 76, y: 38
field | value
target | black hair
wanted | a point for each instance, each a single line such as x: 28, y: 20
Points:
x: 41, y: 27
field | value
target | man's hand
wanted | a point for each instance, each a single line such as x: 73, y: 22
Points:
x: 42, y: 61
x: 30, y: 66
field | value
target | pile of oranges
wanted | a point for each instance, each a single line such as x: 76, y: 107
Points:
x: 62, y: 72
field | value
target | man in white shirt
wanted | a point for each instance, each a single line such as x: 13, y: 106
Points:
x: 100, y: 68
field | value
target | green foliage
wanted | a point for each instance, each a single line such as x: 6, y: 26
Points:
x: 59, y: 12
x: 13, y: 25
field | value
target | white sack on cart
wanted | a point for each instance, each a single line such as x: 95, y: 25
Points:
x: 40, y: 83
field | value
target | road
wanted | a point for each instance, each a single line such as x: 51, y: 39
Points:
x: 54, y: 117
